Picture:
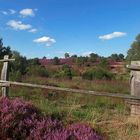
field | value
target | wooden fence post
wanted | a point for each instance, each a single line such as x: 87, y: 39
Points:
x: 135, y: 86
x: 5, y: 76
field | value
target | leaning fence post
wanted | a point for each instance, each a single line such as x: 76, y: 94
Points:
x: 5, y: 76
x: 135, y: 86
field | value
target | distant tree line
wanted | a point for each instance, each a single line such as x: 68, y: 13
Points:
x: 132, y: 54
x: 32, y: 67
x: 89, y: 60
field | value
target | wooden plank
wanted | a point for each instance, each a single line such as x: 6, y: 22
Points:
x: 5, y: 76
x: 4, y: 85
x: 133, y: 102
x: 115, y: 95
x: 133, y: 67
x: 7, y: 60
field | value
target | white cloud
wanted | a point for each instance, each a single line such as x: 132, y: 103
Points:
x: 12, y: 11
x: 33, y: 30
x: 8, y: 12
x: 4, y: 12
x: 18, y: 25
x: 112, y: 35
x: 27, y: 12
x: 45, y: 39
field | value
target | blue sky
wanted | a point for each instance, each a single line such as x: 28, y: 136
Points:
x: 38, y: 28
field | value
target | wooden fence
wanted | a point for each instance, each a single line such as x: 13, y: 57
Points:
x: 133, y: 99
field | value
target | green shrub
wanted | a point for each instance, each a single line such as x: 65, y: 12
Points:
x: 56, y: 61
x: 74, y: 73
x: 38, y: 70
x: 97, y: 73
x: 16, y: 76
x: 65, y: 72
x: 87, y: 75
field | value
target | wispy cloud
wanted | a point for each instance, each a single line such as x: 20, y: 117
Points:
x: 33, y: 30
x: 45, y: 39
x: 12, y: 11
x: 27, y: 12
x: 18, y: 25
x: 8, y: 12
x: 4, y: 12
x: 112, y: 35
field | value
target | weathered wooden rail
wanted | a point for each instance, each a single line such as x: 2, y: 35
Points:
x: 133, y: 99
x: 95, y: 93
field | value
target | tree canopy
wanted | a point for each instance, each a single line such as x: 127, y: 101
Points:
x: 4, y: 50
x: 116, y: 57
x: 134, y: 52
x: 56, y: 61
x: 67, y: 55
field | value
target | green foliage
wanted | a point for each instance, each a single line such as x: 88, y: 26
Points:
x: 20, y: 63
x: 93, y: 57
x: 117, y: 57
x: 65, y: 72
x: 74, y: 73
x: 87, y: 75
x: 22, y: 66
x: 74, y: 56
x: 37, y: 70
x: 16, y: 76
x: 121, y: 56
x: 4, y: 50
x: 58, y: 74
x: 81, y: 60
x: 97, y: 73
x: 67, y: 55
x: 18, y: 67
x: 34, y: 61
x: 56, y: 61
x: 134, y: 52
x: 104, y: 63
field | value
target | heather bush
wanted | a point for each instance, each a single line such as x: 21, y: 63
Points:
x: 54, y: 130
x: 17, y: 118
x: 47, y: 129
x: 22, y: 121
x: 83, y: 132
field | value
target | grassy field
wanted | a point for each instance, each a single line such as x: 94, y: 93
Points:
x: 109, y: 116
x: 113, y: 86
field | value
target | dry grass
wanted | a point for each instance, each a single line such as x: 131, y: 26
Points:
x: 114, y: 86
